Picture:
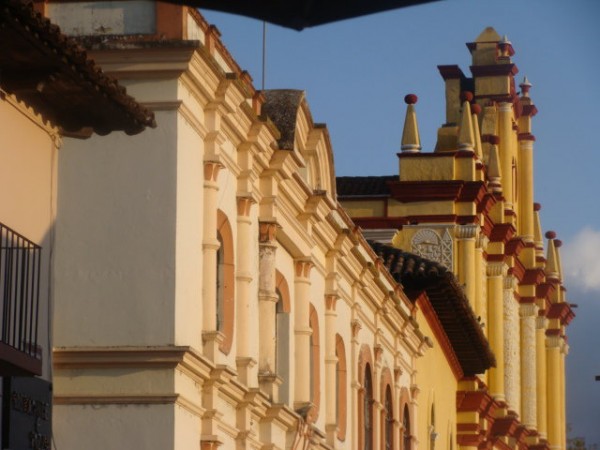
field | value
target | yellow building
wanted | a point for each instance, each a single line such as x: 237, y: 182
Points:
x: 469, y: 205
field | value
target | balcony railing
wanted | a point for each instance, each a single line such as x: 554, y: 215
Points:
x: 20, y: 262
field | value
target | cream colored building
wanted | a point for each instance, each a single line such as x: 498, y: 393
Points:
x: 210, y: 291
x: 469, y: 205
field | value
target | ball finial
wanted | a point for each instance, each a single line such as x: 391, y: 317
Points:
x: 466, y: 96
x: 550, y: 234
x: 557, y: 243
x: 410, y: 99
x: 475, y: 108
x: 537, y: 206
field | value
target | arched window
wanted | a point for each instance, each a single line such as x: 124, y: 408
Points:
x: 406, y: 439
x: 368, y: 409
x: 282, y: 336
x: 432, y: 432
x: 225, y: 282
x: 220, y: 282
x: 389, y: 420
x: 340, y: 387
x: 315, y: 369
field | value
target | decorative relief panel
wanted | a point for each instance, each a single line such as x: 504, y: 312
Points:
x: 433, y: 245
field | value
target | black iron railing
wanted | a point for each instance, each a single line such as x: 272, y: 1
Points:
x: 20, y: 261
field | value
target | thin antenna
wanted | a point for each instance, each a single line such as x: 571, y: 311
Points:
x: 264, y: 53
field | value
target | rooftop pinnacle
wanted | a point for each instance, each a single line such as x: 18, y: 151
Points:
x: 411, y: 142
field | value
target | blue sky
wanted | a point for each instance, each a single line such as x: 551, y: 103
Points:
x: 357, y: 72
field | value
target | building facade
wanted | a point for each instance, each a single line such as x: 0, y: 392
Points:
x: 469, y: 205
x: 48, y: 89
x: 211, y: 292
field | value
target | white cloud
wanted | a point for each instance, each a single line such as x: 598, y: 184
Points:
x: 581, y: 260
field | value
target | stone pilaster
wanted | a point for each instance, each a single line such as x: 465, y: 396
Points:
x: 505, y: 132
x: 528, y: 313
x: 495, y: 271
x: 211, y: 337
x: 302, y: 332
x: 526, y: 189
x: 541, y: 385
x: 330, y: 368
x: 512, y: 353
x: 553, y: 393
x: 245, y: 327
x: 267, y: 301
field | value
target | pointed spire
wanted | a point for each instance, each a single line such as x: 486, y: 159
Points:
x: 493, y: 168
x: 537, y: 231
x: 466, y: 137
x: 525, y: 86
x: 506, y: 48
x: 475, y: 110
x: 411, y: 142
x: 552, y: 269
x: 557, y: 246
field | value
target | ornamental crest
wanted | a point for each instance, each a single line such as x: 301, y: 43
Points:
x: 429, y: 244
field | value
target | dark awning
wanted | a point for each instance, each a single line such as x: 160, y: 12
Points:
x: 300, y: 14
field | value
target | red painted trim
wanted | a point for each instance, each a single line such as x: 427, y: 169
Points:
x: 529, y: 110
x: 514, y: 247
x: 518, y: 269
x: 419, y: 191
x: 451, y: 72
x: 533, y: 276
x: 526, y: 137
x: 502, y: 232
x: 544, y: 290
x: 561, y: 311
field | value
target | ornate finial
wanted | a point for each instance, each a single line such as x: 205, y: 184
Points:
x: 411, y: 142
x: 494, y: 171
x: 525, y: 86
x: 505, y: 46
x: 466, y: 136
x: 410, y: 99
x: 552, y: 263
x: 475, y: 110
x: 466, y: 96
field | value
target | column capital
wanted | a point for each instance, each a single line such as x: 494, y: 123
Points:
x: 356, y: 327
x: 467, y: 231
x: 510, y: 282
x: 496, y: 269
x: 303, y: 267
x: 541, y: 322
x: 331, y: 301
x: 267, y: 232
x: 211, y: 170
x: 528, y: 310
x: 244, y: 205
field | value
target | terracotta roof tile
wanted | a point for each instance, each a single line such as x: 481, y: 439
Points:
x: 52, y: 74
x: 416, y: 275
